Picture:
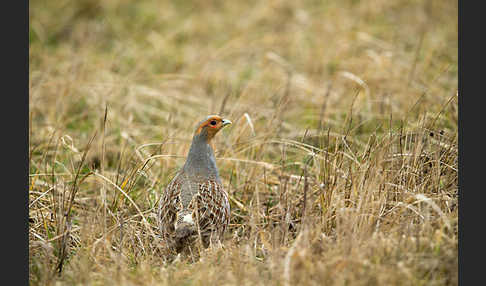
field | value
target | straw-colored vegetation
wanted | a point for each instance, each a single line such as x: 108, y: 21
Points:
x: 341, y: 164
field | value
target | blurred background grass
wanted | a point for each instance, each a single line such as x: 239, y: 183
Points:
x: 295, y: 77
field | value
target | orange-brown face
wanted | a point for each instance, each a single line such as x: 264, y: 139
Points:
x: 212, y: 125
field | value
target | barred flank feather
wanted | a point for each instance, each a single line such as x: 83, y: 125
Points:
x: 210, y: 202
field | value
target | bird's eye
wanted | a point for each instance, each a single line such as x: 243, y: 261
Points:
x: 213, y: 122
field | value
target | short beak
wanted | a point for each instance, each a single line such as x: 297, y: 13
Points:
x: 226, y: 122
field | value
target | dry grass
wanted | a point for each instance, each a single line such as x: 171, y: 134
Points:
x: 341, y: 163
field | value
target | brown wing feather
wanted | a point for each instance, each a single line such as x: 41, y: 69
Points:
x: 213, y: 207
x: 169, y: 206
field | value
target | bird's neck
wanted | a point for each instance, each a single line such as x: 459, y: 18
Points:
x: 200, y: 159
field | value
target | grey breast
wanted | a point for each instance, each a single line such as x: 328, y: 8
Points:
x: 189, y: 188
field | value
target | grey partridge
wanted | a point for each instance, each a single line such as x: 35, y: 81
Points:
x: 194, y: 204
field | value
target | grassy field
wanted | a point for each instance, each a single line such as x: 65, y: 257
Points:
x: 341, y: 162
